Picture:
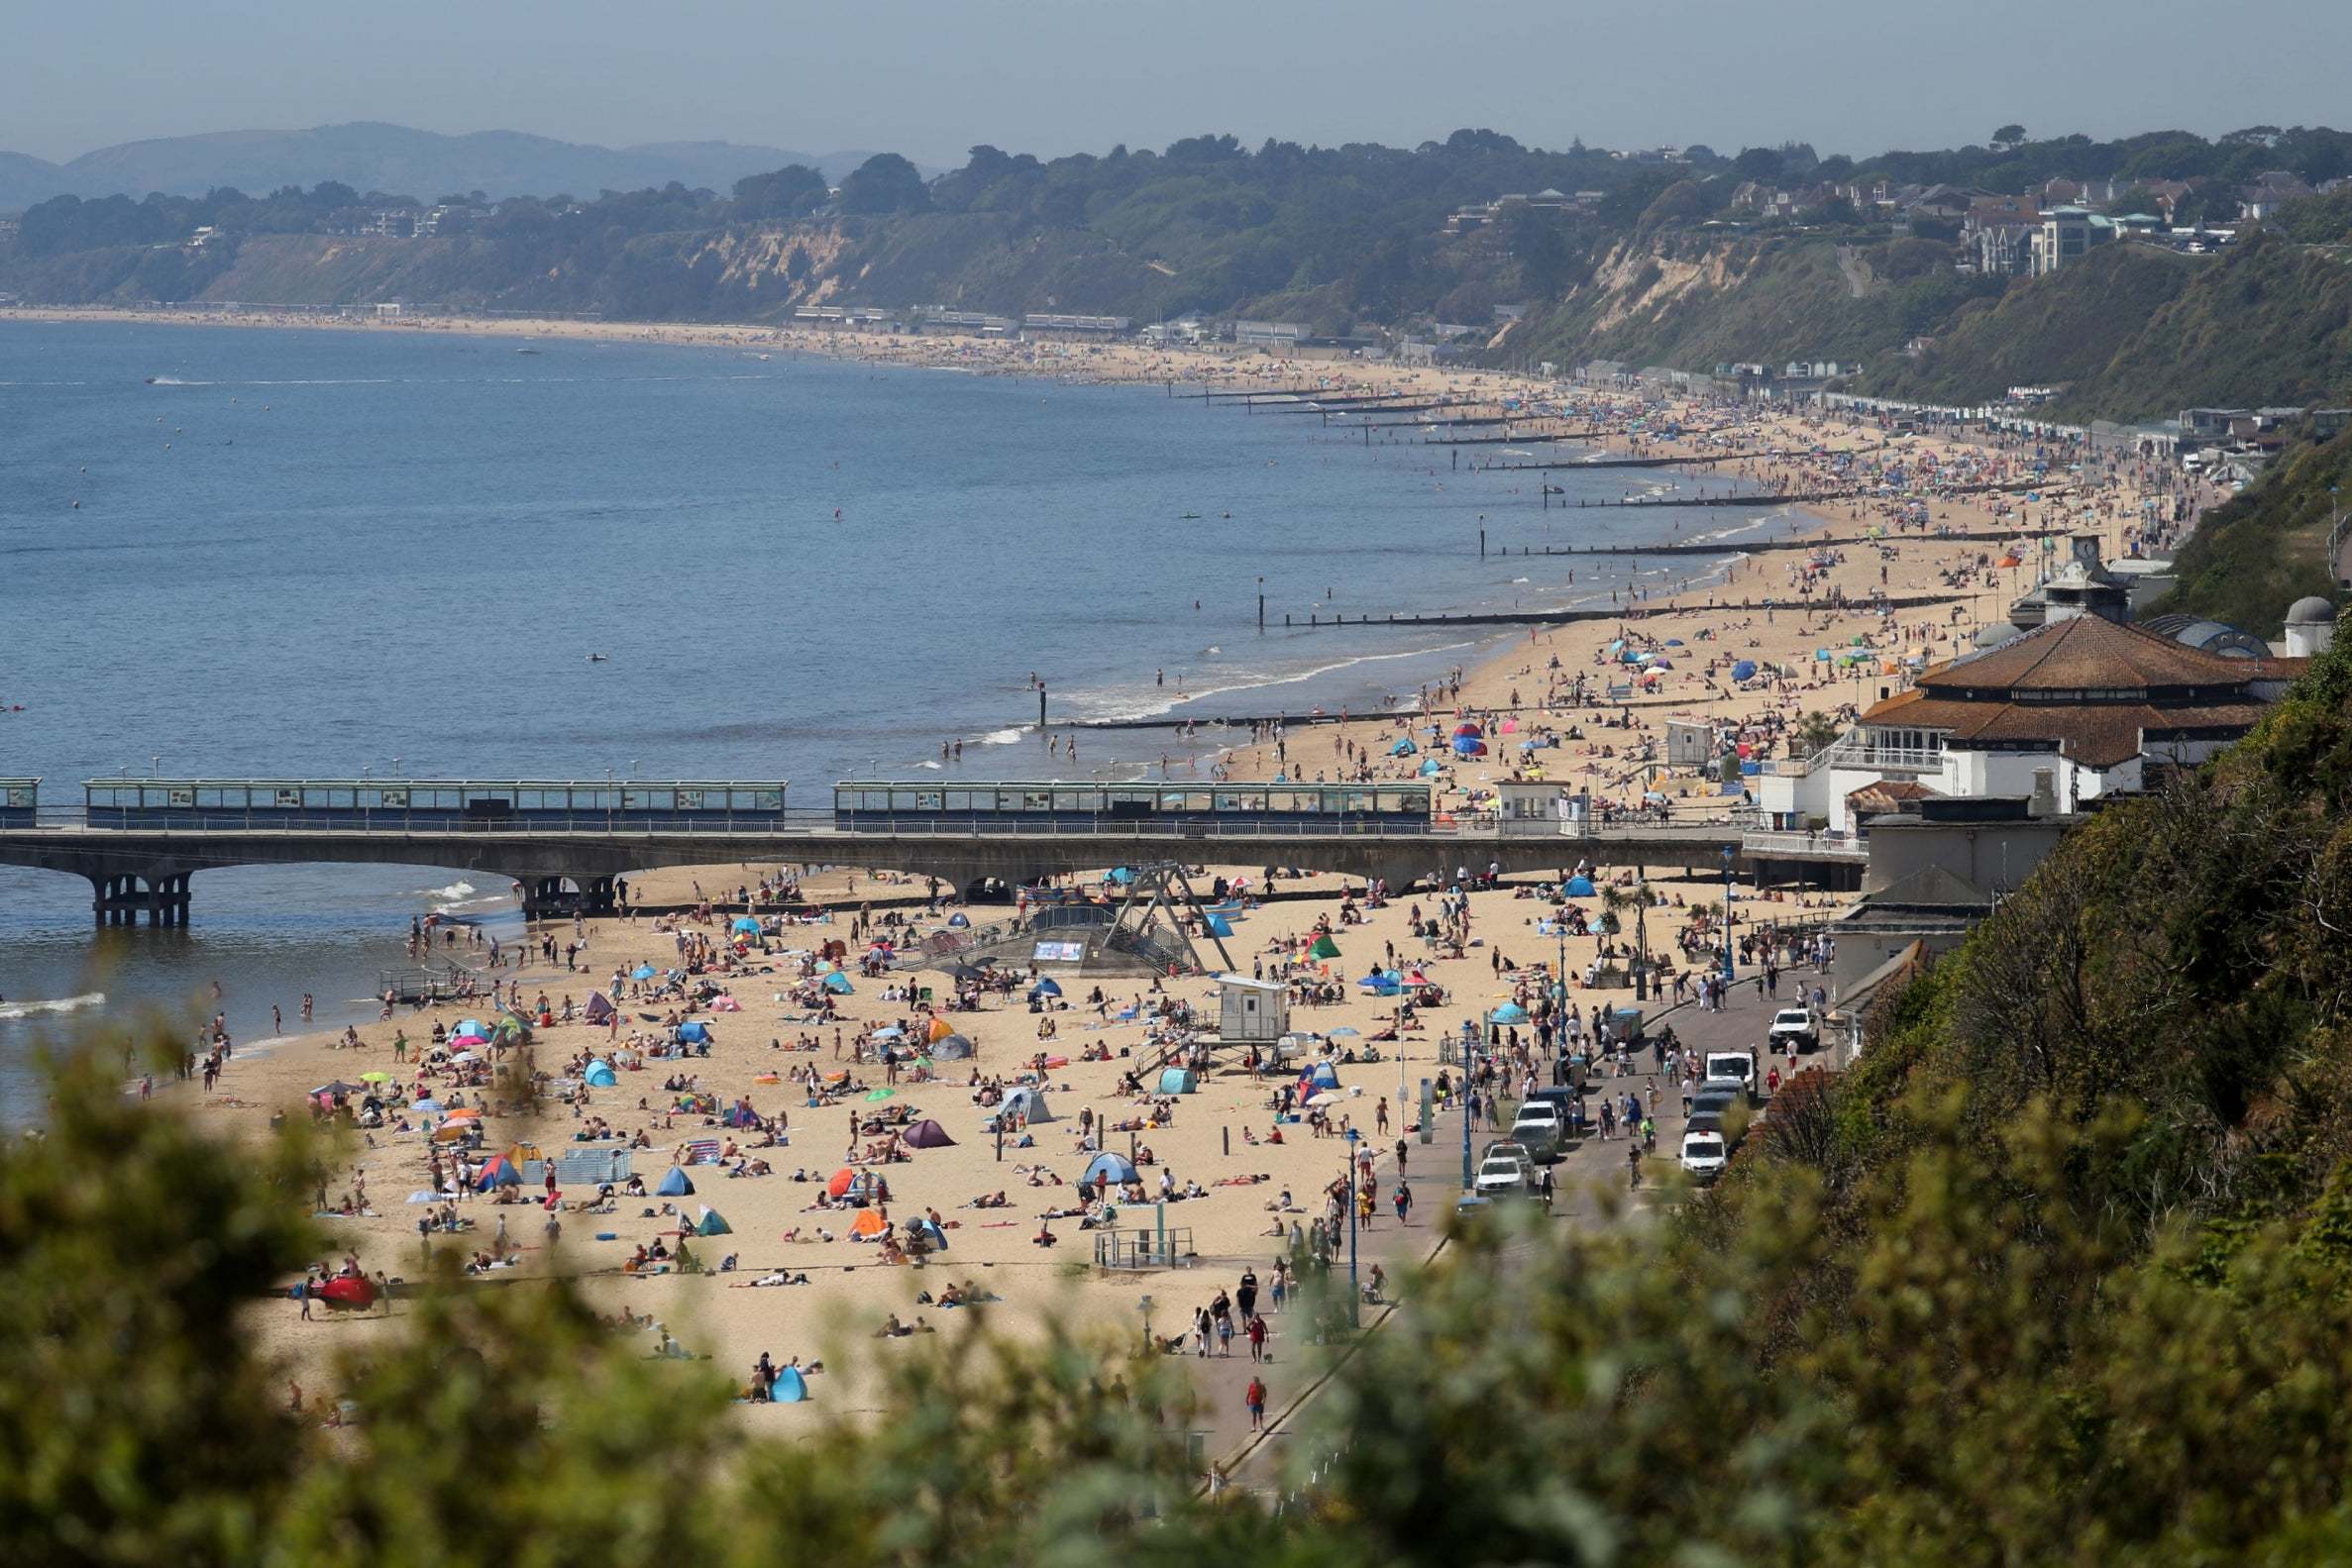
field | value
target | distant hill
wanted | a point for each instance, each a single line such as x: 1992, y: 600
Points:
x: 395, y: 160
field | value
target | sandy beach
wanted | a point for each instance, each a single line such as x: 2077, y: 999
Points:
x: 799, y: 1285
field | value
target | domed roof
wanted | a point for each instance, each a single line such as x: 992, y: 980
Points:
x: 2309, y: 611
x: 1998, y: 633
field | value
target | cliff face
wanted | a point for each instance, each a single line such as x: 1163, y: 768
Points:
x: 1694, y: 301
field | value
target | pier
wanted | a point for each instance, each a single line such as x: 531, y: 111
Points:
x: 143, y: 870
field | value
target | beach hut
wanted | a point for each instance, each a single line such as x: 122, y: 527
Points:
x: 1177, y: 1081
x: 1319, y: 1076
x: 790, y: 1388
x: 953, y: 1048
x: 1118, y: 1167
x: 712, y: 1224
x: 675, y: 1182
x: 599, y: 1008
x: 600, y: 1075
x: 1251, y: 1010
x: 1579, y: 887
x: 928, y: 1135
x: 1022, y: 1108
x: 694, y: 1032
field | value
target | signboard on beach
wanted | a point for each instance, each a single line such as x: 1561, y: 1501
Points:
x: 1058, y: 952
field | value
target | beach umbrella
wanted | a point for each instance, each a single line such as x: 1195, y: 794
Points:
x: 1346, y: 1033
x: 892, y: 1032
x: 1674, y: 642
x: 427, y: 1106
x: 746, y: 924
x: 338, y: 1087
x: 1218, y: 925
x: 642, y: 972
x: 1744, y: 670
x: 1508, y: 1012
x: 1326, y: 1097
x: 465, y: 1056
x: 843, y: 1180
x: 959, y: 921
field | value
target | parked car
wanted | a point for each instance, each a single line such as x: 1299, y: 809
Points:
x: 1704, y: 1154
x: 1541, y: 1128
x: 1501, y: 1175
x: 1737, y: 1067
x: 1793, y: 1029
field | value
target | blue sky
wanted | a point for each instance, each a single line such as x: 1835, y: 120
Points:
x: 930, y: 78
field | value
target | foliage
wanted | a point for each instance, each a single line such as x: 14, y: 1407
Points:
x: 2258, y: 552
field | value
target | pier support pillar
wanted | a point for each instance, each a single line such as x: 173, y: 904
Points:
x: 119, y: 899
x: 596, y: 897
x: 167, y: 900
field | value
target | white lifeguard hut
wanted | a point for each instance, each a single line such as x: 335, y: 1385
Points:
x: 1534, y: 808
x: 1252, y: 1011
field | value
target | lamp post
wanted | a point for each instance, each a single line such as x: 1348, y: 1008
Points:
x: 2335, y: 534
x: 1355, y: 1298
x: 1727, y: 916
x: 1641, y: 938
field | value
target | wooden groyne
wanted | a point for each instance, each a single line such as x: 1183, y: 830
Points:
x: 1793, y: 498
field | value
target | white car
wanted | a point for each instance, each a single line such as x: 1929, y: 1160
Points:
x: 1737, y: 1067
x: 1704, y: 1155
x: 1793, y: 1028
x: 1501, y: 1175
x: 1538, y: 1129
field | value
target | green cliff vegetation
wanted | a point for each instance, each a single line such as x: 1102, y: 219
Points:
x: 2258, y: 552
x: 1774, y: 255
x: 2061, y: 1271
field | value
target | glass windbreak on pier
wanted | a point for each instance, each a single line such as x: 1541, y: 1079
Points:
x: 1053, y: 805
x: 432, y: 803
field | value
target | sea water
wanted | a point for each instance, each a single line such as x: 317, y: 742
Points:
x: 320, y: 554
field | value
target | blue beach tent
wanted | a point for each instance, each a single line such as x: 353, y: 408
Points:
x: 790, y: 1388
x: 1579, y: 887
x: 1177, y: 1081
x: 1218, y: 925
x: 675, y: 1182
x: 1321, y: 1076
x: 693, y: 1033
x: 838, y: 984
x: 1118, y: 1167
x: 600, y: 1074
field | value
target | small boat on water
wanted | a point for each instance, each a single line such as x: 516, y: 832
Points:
x: 526, y: 351
x: 1189, y: 518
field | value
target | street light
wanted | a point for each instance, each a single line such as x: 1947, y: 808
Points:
x: 1355, y: 1298
x: 1727, y: 916
x: 1641, y: 938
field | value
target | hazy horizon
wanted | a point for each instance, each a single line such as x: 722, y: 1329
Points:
x: 930, y: 78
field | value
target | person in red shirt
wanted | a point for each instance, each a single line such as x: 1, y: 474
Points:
x: 1256, y: 1398
x: 1257, y: 1337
